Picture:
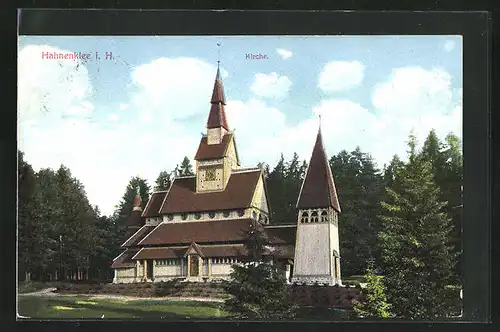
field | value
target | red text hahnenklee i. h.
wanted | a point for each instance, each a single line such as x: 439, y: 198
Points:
x: 75, y: 56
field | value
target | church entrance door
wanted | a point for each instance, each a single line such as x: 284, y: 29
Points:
x: 193, y: 266
x: 150, y: 269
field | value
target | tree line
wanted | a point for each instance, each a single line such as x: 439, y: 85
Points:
x: 62, y: 236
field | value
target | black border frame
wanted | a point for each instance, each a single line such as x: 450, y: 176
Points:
x: 474, y: 26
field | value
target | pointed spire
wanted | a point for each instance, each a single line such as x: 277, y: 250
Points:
x: 217, y: 115
x: 318, y: 189
x: 137, y: 200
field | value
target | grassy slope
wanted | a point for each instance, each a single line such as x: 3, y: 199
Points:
x: 86, y: 307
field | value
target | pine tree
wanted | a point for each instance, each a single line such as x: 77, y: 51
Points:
x: 276, y: 184
x: 163, y: 181
x: 185, y: 169
x: 417, y: 257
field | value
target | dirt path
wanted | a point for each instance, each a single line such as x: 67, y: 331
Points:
x: 51, y: 292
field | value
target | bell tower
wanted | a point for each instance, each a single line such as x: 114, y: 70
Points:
x: 317, y: 254
x: 217, y: 155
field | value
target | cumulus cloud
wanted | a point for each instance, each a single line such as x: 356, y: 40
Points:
x: 271, y: 85
x: 414, y: 91
x: 100, y: 155
x: 52, y: 87
x: 341, y: 75
x: 285, y: 54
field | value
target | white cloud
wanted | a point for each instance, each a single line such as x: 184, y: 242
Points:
x: 173, y: 89
x: 169, y: 91
x: 113, y: 117
x: 341, y: 75
x: 414, y: 91
x: 285, y: 54
x: 271, y: 85
x: 449, y: 45
x: 53, y: 87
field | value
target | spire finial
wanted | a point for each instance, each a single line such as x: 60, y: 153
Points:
x: 218, y: 58
x: 319, y: 115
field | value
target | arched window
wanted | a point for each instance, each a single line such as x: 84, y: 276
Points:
x: 184, y: 216
x: 304, y: 218
x: 225, y: 214
x: 324, y: 216
x: 314, y: 216
x: 197, y: 216
x: 211, y: 215
x: 255, y: 215
x: 241, y: 213
x: 170, y: 217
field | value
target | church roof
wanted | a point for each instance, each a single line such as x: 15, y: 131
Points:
x: 213, y: 151
x: 134, y: 219
x: 124, y: 259
x: 318, y: 189
x: 217, y: 115
x: 281, y: 234
x: 152, y: 208
x: 138, y: 236
x: 178, y: 252
x: 182, y: 196
x: 199, y: 232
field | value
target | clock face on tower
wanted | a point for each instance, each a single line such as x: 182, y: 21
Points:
x: 210, y: 174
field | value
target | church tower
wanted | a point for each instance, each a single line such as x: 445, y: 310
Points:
x: 317, y: 254
x: 217, y: 156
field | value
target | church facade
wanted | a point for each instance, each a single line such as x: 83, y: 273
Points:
x: 195, y: 230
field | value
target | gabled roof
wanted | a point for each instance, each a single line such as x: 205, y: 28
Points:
x: 178, y: 252
x: 124, y: 259
x: 213, y: 151
x: 182, y: 196
x: 281, y: 234
x: 200, y: 232
x: 134, y: 219
x: 318, y: 189
x: 152, y: 208
x: 138, y: 236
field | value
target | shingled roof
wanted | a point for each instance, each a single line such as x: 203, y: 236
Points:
x: 318, y: 189
x: 199, y: 232
x: 217, y: 115
x: 124, y: 259
x: 178, y: 252
x: 281, y: 234
x: 138, y: 236
x: 213, y: 151
x: 182, y: 196
x: 153, y: 206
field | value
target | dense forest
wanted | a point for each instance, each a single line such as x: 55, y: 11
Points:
x: 62, y: 236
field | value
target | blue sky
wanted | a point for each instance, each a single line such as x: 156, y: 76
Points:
x: 143, y: 110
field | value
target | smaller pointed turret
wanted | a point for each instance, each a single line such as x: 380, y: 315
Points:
x: 137, y: 201
x: 217, y: 115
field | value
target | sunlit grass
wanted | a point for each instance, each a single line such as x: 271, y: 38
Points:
x: 85, y: 307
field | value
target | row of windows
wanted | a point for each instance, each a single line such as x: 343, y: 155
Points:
x: 225, y: 260
x: 314, y: 217
x: 211, y: 215
x: 170, y: 261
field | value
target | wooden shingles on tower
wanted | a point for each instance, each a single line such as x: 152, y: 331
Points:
x: 318, y: 188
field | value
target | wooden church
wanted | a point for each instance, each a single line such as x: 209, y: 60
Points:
x: 195, y: 230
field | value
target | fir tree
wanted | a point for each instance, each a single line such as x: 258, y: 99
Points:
x: 258, y: 289
x: 185, y: 169
x: 163, y: 181
x: 375, y: 304
x: 417, y: 257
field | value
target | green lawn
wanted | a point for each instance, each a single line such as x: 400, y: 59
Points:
x: 88, y: 307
